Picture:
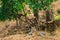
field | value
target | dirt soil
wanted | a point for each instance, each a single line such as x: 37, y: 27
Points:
x: 29, y: 37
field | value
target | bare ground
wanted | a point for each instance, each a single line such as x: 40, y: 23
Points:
x: 29, y: 37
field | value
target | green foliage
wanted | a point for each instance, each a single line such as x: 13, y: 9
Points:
x: 57, y: 18
x: 27, y: 12
x: 41, y: 4
x: 17, y: 5
x: 33, y: 4
x: 58, y: 11
x: 10, y: 8
x: 6, y: 9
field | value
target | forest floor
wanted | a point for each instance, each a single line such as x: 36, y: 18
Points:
x: 30, y: 37
x: 42, y: 36
x: 34, y: 36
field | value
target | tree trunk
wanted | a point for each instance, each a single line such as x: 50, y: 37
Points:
x: 36, y: 16
x: 49, y: 21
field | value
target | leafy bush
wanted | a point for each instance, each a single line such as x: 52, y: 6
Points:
x: 57, y: 18
x: 58, y: 11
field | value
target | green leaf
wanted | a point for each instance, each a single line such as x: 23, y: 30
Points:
x: 58, y: 11
x: 57, y: 18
